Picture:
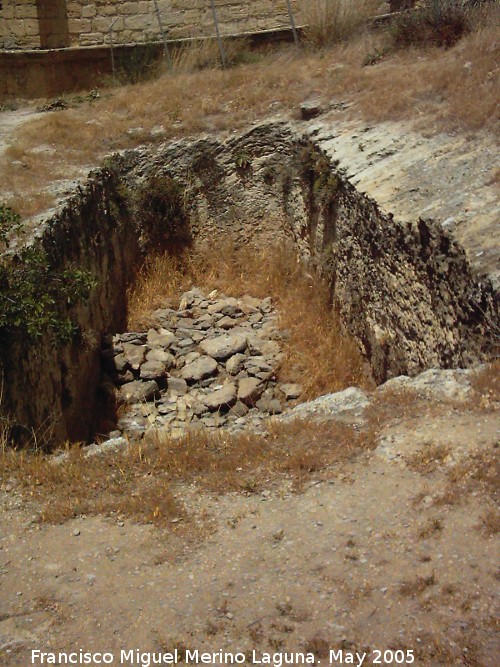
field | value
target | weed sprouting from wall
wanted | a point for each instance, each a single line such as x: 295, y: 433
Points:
x: 10, y: 223
x: 436, y: 22
x: 34, y: 297
x: 160, y: 206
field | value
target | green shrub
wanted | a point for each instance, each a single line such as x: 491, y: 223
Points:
x: 161, y: 210
x: 9, y: 221
x: 34, y: 297
x: 436, y: 23
x: 140, y: 63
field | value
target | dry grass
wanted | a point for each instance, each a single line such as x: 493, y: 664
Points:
x: 139, y: 481
x: 428, y: 459
x: 441, y: 88
x: 79, y: 486
x: 486, y: 387
x: 478, y: 474
x: 330, y: 21
x: 430, y: 528
x: 490, y: 521
x: 317, y: 354
x: 417, y: 586
x: 393, y: 405
x: 204, y: 53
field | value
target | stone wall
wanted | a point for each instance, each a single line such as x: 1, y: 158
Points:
x: 19, y: 26
x: 136, y: 21
x: 31, y: 24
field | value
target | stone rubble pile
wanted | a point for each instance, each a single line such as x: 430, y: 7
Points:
x: 212, y: 363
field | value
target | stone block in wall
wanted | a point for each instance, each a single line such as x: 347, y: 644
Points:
x: 79, y: 26
x: 32, y: 27
x: 74, y: 10
x: 146, y: 7
x: 101, y: 24
x: 139, y: 22
x: 91, y: 39
x: 129, y: 8
x: 8, y: 12
x: 88, y: 11
x: 17, y: 28
x: 26, y: 11
x: 107, y: 10
x: 139, y: 36
x: 189, y: 4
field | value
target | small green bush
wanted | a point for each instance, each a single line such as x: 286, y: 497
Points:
x: 141, y: 63
x: 436, y: 22
x: 9, y: 221
x: 161, y: 210
x: 34, y: 297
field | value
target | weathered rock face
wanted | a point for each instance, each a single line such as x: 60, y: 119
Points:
x: 214, y: 380
x: 405, y: 291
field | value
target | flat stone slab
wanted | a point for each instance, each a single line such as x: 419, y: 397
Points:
x: 291, y: 391
x: 199, y: 369
x: 153, y: 370
x: 250, y: 390
x: 225, y: 397
x: 351, y: 400
x: 161, y: 355
x: 235, y: 363
x: 134, y: 354
x: 161, y: 338
x: 224, y: 346
x: 137, y: 391
x: 434, y: 383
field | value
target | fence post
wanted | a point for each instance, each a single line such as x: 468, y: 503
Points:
x: 292, y: 21
x: 217, y: 32
x: 110, y: 30
x: 166, y: 52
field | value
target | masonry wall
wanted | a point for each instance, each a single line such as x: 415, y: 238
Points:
x: 32, y: 24
x: 136, y: 21
x: 19, y: 26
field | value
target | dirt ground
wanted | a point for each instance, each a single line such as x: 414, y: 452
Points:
x: 394, y: 549
x: 389, y: 550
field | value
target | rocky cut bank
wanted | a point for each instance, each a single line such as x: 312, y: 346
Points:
x: 405, y: 291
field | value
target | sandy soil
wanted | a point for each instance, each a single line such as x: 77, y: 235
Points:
x: 366, y: 557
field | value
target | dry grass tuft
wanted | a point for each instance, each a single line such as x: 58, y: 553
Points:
x: 437, y: 22
x: 490, y: 522
x: 486, y: 387
x: 430, y: 528
x: 201, y: 54
x: 391, y: 405
x: 330, y: 21
x: 417, y: 586
x: 102, y: 485
x: 317, y: 353
x: 428, y: 459
x: 139, y: 481
x: 479, y: 473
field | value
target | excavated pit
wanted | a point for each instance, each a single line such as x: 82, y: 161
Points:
x: 405, y: 292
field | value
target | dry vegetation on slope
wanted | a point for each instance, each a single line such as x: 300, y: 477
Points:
x: 317, y: 353
x: 440, y: 88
